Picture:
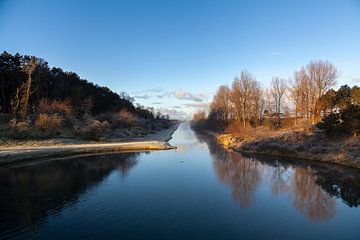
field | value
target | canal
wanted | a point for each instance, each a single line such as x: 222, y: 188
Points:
x: 198, y: 191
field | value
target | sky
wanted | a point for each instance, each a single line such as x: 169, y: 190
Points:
x: 172, y: 55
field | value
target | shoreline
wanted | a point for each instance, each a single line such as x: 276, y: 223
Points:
x: 158, y: 141
x: 256, y: 147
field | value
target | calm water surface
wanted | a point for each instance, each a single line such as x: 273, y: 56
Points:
x: 198, y: 191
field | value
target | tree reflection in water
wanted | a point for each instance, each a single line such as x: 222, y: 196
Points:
x: 309, y: 198
x: 243, y: 176
x: 30, y: 193
x: 310, y: 186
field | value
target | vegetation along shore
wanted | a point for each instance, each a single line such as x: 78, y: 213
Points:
x: 303, y: 117
x: 46, y: 112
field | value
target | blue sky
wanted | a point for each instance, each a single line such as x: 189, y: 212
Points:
x: 172, y: 55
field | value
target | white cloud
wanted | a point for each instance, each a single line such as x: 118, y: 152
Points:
x: 185, y: 95
x: 173, y: 113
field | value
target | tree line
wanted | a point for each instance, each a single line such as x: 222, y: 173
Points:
x: 39, y: 102
x: 308, y: 96
x: 26, y: 80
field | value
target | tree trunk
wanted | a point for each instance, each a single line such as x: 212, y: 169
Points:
x: 27, y: 95
x: 296, y: 113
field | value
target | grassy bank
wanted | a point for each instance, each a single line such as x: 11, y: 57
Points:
x: 300, y: 144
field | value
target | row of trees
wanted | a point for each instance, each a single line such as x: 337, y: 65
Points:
x: 308, y: 95
x: 26, y: 80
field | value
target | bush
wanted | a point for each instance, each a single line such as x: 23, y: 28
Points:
x: 330, y: 124
x: 48, y: 123
x: 236, y: 129
x: 20, y: 127
x: 62, y: 108
x: 272, y: 123
x: 94, y: 129
x: 351, y: 118
x: 347, y: 121
x: 124, y: 118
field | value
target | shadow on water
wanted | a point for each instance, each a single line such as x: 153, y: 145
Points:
x: 311, y: 187
x: 29, y: 194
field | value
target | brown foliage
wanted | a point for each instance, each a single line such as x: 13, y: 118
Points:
x: 54, y: 107
x: 48, y: 122
x: 127, y: 118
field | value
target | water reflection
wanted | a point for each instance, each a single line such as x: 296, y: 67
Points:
x: 243, y: 176
x: 29, y: 194
x: 311, y: 187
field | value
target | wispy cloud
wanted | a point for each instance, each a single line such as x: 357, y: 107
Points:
x: 145, y: 96
x: 150, y: 90
x: 356, y: 79
x: 156, y: 103
x: 165, y: 94
x: 198, y: 105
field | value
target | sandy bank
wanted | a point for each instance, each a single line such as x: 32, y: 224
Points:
x: 158, y: 141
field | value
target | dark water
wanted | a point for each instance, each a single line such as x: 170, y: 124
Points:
x: 198, y: 191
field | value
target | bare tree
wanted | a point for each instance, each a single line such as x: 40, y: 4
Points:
x: 221, y: 101
x: 243, y: 88
x: 322, y: 76
x: 278, y: 89
x: 28, y: 67
x: 295, y: 94
x: 199, y: 115
x: 257, y: 104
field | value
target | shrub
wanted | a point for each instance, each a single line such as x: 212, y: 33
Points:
x: 20, y: 127
x: 351, y: 118
x: 62, y: 108
x: 126, y: 118
x: 272, y: 123
x: 46, y: 122
x: 330, y: 124
x: 93, y: 129
x: 347, y: 121
x: 236, y: 129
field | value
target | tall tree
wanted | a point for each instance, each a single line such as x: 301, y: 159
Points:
x: 278, y: 89
x: 243, y: 89
x: 222, y: 102
x: 322, y: 76
x: 28, y: 67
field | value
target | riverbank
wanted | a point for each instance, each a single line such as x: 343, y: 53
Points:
x: 300, y: 145
x: 31, y: 150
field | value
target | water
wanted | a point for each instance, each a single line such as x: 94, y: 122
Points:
x: 198, y: 191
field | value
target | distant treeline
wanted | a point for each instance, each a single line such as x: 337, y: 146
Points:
x: 26, y: 80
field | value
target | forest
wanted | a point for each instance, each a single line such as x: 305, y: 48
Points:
x: 37, y: 101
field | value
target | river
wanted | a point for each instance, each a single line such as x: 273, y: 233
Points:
x: 198, y: 191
